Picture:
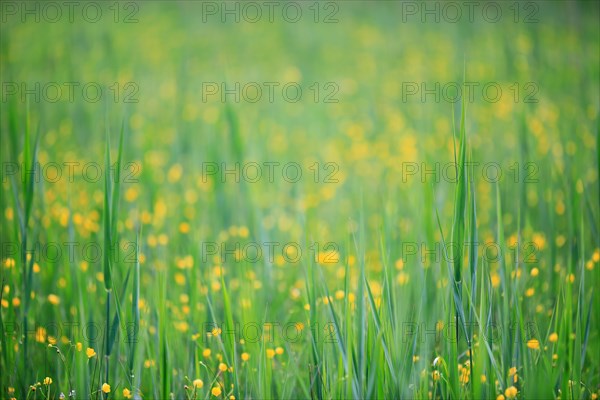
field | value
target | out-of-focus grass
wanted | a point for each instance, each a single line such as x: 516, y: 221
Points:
x: 371, y: 320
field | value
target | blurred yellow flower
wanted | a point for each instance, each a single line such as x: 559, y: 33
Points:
x: 106, y: 388
x: 53, y: 299
x: 533, y: 344
x: 245, y: 356
x: 495, y: 278
x: 90, y: 352
x: 399, y: 264
x: 184, y: 227
x: 47, y: 381
x: 553, y: 337
x: 198, y: 383
x: 402, y: 278
x: 511, y: 392
x: 216, y: 391
x: 127, y: 393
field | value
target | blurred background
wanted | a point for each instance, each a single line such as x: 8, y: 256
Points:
x: 361, y: 97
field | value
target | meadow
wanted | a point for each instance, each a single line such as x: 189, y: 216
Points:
x: 293, y: 200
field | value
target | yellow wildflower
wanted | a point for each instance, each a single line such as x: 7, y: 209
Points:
x: 89, y: 352
x: 533, y: 344
x: 511, y: 392
x: 198, y: 383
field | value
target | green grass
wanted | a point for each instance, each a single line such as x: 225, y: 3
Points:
x: 358, y: 315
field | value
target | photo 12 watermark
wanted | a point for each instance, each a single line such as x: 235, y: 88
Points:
x: 126, y: 12
x: 526, y: 252
x: 269, y: 92
x: 273, y: 252
x: 490, y: 172
x: 71, y: 171
x: 453, y: 12
x: 270, y: 172
x: 453, y: 92
x: 323, y: 12
x: 70, y: 92
x: 89, y: 251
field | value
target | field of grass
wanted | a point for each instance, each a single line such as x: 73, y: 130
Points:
x: 292, y: 200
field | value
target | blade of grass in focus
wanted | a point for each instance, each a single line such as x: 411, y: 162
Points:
x: 135, y: 312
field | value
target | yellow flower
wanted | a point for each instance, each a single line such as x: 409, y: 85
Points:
x: 402, y: 278
x: 216, y: 391
x: 399, y: 264
x: 106, y: 388
x: 245, y: 356
x: 500, y: 397
x: 206, y: 353
x: 79, y: 346
x: 535, y: 272
x: 511, y: 392
x: 53, y: 299
x: 553, y: 337
x: 270, y: 353
x: 279, y: 350
x: 533, y: 344
x: 184, y: 227
x: 495, y: 278
x: 198, y: 383
x: 126, y: 393
x: 90, y: 352
x: 47, y: 381
x: 222, y: 367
